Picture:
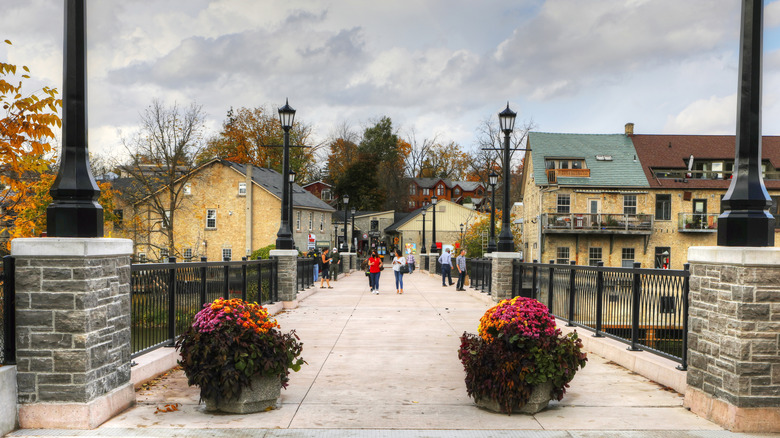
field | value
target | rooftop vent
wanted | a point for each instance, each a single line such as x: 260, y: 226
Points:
x: 603, y: 157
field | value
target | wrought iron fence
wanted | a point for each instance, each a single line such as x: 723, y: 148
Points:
x: 7, y: 312
x: 480, y: 272
x: 645, y: 308
x: 305, y: 272
x: 165, y: 296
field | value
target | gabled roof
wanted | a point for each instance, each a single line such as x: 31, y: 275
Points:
x: 429, y: 183
x: 316, y: 182
x: 271, y: 180
x: 673, y: 152
x: 624, y: 170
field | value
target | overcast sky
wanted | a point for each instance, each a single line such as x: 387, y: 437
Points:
x: 439, y: 67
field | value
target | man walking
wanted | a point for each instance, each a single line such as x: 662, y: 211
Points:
x: 460, y: 261
x: 445, y: 259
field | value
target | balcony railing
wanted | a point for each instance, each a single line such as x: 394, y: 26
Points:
x: 697, y: 222
x: 601, y: 223
x: 554, y: 174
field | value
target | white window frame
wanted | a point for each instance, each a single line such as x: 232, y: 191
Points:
x: 211, y: 214
x: 627, y: 204
x: 164, y: 254
x: 440, y: 190
x: 322, y: 221
x: 627, y: 262
x: 187, y: 189
x: 142, y: 257
x: 426, y: 192
x: 592, y: 260
x: 412, y: 189
x: 298, y: 221
x: 311, y: 220
x: 559, y: 253
x: 187, y: 254
x: 559, y: 205
x: 227, y: 253
x: 242, y: 189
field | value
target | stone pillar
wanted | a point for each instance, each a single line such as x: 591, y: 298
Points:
x: 734, y: 337
x: 287, y: 276
x: 73, y: 331
x: 502, y: 274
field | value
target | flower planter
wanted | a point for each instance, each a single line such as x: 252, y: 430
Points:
x: 538, y: 401
x: 264, y: 393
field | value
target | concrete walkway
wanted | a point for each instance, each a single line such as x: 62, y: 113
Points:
x: 386, y: 365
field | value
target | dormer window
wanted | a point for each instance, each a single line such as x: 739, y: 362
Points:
x: 412, y: 189
x: 440, y: 190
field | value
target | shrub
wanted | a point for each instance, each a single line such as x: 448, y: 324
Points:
x: 517, y: 348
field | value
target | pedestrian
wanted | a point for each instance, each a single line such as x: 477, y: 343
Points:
x: 374, y: 269
x: 398, y: 263
x: 460, y: 262
x: 336, y: 262
x: 410, y: 262
x: 325, y: 274
x: 445, y: 259
x: 313, y: 254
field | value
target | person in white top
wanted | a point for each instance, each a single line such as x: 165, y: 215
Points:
x: 398, y: 262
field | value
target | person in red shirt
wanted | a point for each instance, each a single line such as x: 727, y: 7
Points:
x: 374, y: 269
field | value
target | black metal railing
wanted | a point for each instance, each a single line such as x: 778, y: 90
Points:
x: 7, y: 312
x: 645, y: 308
x: 166, y: 296
x: 305, y: 272
x: 480, y: 272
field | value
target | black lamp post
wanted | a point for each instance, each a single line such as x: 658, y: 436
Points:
x: 345, y: 245
x: 74, y: 211
x: 353, y: 247
x: 284, y: 238
x: 434, y: 248
x: 492, y: 180
x: 745, y: 220
x: 291, y: 180
x: 462, y: 227
x: 506, y: 242
x: 423, y: 250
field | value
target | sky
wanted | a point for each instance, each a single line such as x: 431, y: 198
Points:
x: 436, y: 67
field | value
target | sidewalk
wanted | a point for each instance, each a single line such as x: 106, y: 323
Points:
x: 386, y: 365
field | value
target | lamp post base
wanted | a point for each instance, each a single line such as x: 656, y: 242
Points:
x: 74, y: 219
x: 746, y: 228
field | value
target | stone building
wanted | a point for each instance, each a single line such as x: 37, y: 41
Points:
x: 624, y: 198
x: 229, y: 210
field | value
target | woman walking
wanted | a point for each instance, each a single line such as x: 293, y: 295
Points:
x: 398, y: 262
x: 325, y: 274
x: 410, y: 262
x: 374, y: 268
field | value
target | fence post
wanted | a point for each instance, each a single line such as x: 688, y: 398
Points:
x: 550, y: 286
x: 226, y: 279
x: 203, y: 295
x: 243, y: 278
x: 260, y: 283
x: 274, y: 281
x: 635, y: 308
x: 534, y: 280
x: 9, y: 311
x: 572, y: 274
x: 599, y: 299
x: 516, y: 289
x: 172, y: 301
x: 686, y: 284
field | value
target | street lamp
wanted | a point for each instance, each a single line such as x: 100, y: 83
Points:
x: 492, y: 180
x: 434, y: 249
x: 291, y: 180
x: 352, y: 233
x: 506, y: 242
x: 461, y: 235
x: 284, y: 238
x: 344, y: 245
x: 423, y: 250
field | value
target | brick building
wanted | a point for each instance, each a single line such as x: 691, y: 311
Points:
x: 624, y: 198
x: 460, y: 192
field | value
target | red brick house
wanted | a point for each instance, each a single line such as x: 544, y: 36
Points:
x: 320, y: 189
x: 422, y: 189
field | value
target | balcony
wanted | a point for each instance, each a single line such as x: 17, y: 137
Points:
x: 554, y: 174
x: 586, y: 223
x: 697, y: 222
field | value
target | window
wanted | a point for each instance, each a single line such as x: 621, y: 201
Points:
x: 440, y: 190
x: 322, y: 221
x: 242, y: 189
x: 187, y: 189
x: 564, y: 203
x: 628, y: 257
x: 411, y: 205
x: 456, y: 191
x: 562, y: 257
x: 629, y: 204
x: 298, y: 221
x: 188, y: 254
x: 594, y: 256
x: 227, y: 254
x: 311, y: 221
x: 325, y: 195
x: 663, y: 207
x: 211, y: 219
x: 662, y: 257
x: 576, y: 164
x: 167, y: 220
x: 142, y: 257
x: 412, y: 189
x: 164, y: 254
x: 426, y: 192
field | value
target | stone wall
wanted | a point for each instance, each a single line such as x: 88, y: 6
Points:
x: 286, y: 274
x: 502, y: 274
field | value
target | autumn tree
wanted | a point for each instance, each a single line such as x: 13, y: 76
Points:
x: 162, y: 158
x: 381, y: 144
x: 447, y: 161
x: 253, y: 136
x: 343, y: 152
x: 419, y: 152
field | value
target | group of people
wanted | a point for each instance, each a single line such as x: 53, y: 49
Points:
x: 401, y: 265
x: 322, y: 267
x: 445, y: 259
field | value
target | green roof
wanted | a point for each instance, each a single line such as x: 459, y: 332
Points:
x: 623, y: 170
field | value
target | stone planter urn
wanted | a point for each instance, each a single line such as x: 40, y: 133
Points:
x: 264, y: 393
x: 538, y: 401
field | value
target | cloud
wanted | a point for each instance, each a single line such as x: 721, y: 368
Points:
x: 713, y: 116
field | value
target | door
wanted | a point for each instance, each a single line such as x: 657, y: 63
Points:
x: 594, y: 210
x: 699, y: 213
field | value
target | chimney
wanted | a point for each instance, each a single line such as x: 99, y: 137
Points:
x: 629, y: 129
